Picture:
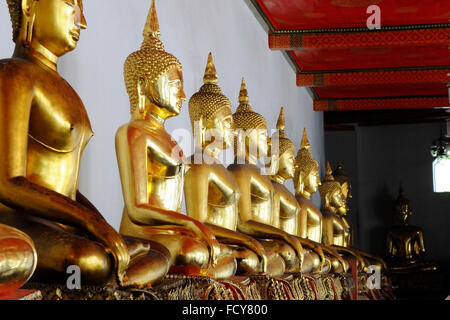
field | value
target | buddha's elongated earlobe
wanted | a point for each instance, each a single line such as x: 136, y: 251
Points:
x: 141, y: 94
x: 28, y: 17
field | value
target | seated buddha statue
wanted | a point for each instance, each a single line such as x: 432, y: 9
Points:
x: 152, y: 165
x: 309, y: 221
x: 335, y: 231
x: 44, y: 129
x: 216, y: 196
x: 346, y: 187
x: 18, y: 259
x: 255, y: 204
x: 405, y: 243
x: 286, y: 208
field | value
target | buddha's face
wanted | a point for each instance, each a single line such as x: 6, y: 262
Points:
x: 337, y: 201
x: 312, y: 181
x: 286, y: 165
x: 222, y: 125
x: 404, y: 212
x: 346, y: 190
x: 167, y: 92
x: 259, y: 142
x: 57, y: 24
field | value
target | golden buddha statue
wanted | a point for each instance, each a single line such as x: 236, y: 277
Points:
x: 216, y: 196
x: 335, y: 231
x: 44, y: 129
x: 286, y: 206
x: 256, y: 216
x: 405, y: 244
x: 346, y: 188
x: 18, y: 259
x: 152, y: 165
x: 309, y: 222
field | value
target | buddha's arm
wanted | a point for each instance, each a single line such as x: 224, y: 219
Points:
x: 16, y: 191
x: 359, y: 259
x: 327, y: 230
x: 196, y: 183
x: 389, y: 244
x: 421, y: 242
x: 303, y: 223
x: 256, y: 229
x: 316, y: 247
x: 333, y: 253
x: 134, y: 187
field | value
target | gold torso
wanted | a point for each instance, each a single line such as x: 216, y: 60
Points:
x: 288, y: 209
x: 59, y: 127
x: 405, y: 243
x: 158, y: 171
x: 309, y: 220
x: 261, y: 191
x: 334, y: 230
x: 222, y: 194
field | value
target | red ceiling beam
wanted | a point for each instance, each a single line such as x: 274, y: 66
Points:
x: 416, y: 37
x: 325, y: 79
x: 381, y: 103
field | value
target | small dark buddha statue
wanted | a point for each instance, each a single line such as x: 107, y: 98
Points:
x: 405, y: 244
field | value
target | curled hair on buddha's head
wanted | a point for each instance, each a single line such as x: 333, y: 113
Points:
x: 150, y: 62
x: 15, y: 12
x: 305, y: 162
x: 209, y: 100
x: 329, y: 186
x: 246, y: 121
x: 244, y: 117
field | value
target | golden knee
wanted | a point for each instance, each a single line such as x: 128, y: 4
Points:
x: 95, y: 264
x: 248, y: 262
x: 193, y: 252
x: 290, y: 257
x: 336, y: 265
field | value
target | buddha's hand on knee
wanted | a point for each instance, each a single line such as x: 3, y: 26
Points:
x: 258, y: 248
x: 205, y: 234
x: 115, y: 245
x: 296, y: 244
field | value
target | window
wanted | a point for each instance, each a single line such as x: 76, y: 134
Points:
x: 441, y: 174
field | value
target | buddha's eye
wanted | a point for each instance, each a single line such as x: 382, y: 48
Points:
x: 70, y: 3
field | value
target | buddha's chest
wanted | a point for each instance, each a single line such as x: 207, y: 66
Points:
x: 261, y: 190
x: 58, y: 119
x: 289, y: 206
x: 222, y: 188
x: 403, y: 235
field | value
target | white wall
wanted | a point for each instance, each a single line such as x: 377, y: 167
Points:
x: 190, y: 29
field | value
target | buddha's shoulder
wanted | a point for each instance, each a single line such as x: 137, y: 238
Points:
x: 137, y: 130
x: 17, y: 67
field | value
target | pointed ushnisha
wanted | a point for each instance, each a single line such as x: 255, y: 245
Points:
x: 210, y: 76
x: 305, y: 142
x: 151, y: 28
x: 281, y: 123
x: 329, y: 173
x: 244, y: 117
x: 243, y: 94
x: 205, y: 103
x: 284, y: 142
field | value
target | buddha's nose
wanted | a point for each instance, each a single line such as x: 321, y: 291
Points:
x: 80, y: 18
x: 182, y: 95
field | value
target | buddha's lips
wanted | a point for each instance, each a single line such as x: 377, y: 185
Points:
x: 75, y: 35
